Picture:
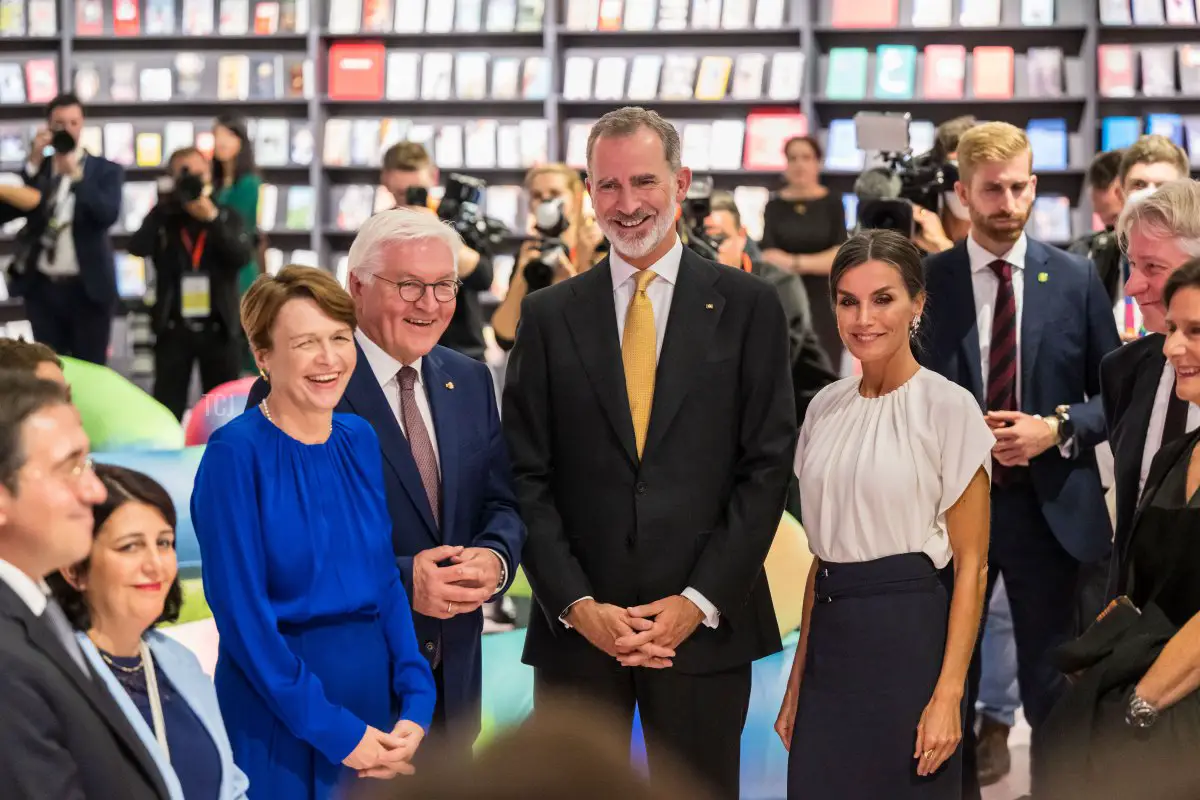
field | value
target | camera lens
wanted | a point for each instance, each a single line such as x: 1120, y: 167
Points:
x: 62, y: 142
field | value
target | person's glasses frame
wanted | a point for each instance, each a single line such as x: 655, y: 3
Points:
x: 412, y: 291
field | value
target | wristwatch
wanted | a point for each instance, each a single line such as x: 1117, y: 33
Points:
x: 1139, y: 713
x: 1066, y: 428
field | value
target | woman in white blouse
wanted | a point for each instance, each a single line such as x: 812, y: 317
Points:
x: 894, y: 469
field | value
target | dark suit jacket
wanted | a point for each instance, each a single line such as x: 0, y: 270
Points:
x: 479, y: 506
x: 1067, y: 327
x: 97, y: 206
x: 699, y: 509
x: 62, y: 737
x: 1128, y: 381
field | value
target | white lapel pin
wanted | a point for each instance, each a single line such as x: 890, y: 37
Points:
x: 708, y: 306
x: 449, y: 384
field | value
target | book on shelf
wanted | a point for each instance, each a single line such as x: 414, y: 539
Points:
x: 1158, y: 71
x: 1148, y: 12
x: 847, y: 75
x: 1050, y: 220
x: 979, y: 14
x: 1189, y: 70
x: 1038, y: 13
x: 992, y: 70
x: 1048, y: 140
x: 1115, y: 12
x: 945, y: 71
x: 866, y: 13
x: 895, y: 71
x: 1116, y: 67
x: 932, y: 13
x: 1168, y: 125
x: 1044, y: 71
x: 356, y: 71
x: 841, y: 149
x: 766, y: 133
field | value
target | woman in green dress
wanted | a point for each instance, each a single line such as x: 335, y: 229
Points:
x: 236, y: 185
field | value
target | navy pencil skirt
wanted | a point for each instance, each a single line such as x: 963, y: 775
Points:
x: 877, y: 636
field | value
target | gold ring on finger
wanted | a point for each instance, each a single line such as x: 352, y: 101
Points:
x: 928, y: 754
x: 449, y: 608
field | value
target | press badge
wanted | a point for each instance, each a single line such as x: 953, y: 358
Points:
x: 196, y: 302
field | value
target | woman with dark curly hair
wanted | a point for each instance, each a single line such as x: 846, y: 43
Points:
x: 127, y: 585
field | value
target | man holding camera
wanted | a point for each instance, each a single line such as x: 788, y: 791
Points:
x: 63, y: 267
x: 811, y: 370
x: 408, y: 174
x: 197, y: 250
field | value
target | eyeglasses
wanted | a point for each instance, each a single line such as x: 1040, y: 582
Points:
x: 413, y: 291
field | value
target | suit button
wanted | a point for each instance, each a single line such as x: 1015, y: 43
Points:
x: 429, y: 647
x: 640, y: 488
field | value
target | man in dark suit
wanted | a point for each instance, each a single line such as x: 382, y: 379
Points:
x: 649, y: 412
x: 63, y: 267
x: 1023, y: 326
x: 61, y: 733
x: 1161, y: 231
x: 456, y: 531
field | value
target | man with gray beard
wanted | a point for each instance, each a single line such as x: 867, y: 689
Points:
x: 650, y: 420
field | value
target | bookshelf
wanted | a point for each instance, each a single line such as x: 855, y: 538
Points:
x: 808, y: 27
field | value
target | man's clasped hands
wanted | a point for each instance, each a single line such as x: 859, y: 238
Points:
x: 643, y: 636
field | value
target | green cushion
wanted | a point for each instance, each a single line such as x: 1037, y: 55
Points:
x: 116, y: 414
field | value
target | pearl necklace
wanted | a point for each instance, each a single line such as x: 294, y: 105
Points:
x: 262, y: 406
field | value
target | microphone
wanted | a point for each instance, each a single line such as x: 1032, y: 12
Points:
x: 877, y: 183
x: 880, y: 204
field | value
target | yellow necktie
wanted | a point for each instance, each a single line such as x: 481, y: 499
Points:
x: 639, y: 354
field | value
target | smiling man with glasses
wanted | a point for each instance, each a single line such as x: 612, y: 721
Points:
x: 61, y: 733
x: 457, y: 534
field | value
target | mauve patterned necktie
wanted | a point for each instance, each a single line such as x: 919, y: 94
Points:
x: 1002, y: 357
x: 418, y: 440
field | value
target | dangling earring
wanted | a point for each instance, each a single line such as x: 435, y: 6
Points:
x: 265, y: 375
x: 916, y: 323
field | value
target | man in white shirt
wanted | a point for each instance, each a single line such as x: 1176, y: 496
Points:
x: 61, y: 734
x: 648, y: 407
x: 1161, y: 231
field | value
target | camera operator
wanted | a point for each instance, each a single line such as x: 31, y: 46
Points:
x: 408, y: 174
x: 811, y: 370
x: 63, y: 267
x: 1103, y: 178
x: 564, y: 241
x: 198, y: 250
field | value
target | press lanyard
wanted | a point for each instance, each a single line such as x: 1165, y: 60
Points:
x: 156, y: 712
x: 197, y: 251
x: 747, y: 266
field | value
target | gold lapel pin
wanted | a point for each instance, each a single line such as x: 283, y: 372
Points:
x: 1043, y: 277
x: 449, y: 384
x: 708, y: 306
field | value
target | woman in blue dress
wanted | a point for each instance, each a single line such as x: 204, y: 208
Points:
x: 319, y: 675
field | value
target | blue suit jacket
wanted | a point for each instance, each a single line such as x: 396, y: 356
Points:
x: 479, y: 503
x: 1067, y: 327
x: 97, y: 207
x: 182, y: 669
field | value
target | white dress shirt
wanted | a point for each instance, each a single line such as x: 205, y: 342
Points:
x: 1158, y: 421
x: 30, y: 591
x: 65, y: 262
x: 387, y: 372
x: 660, y: 291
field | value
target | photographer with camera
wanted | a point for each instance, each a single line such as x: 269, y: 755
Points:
x: 63, y: 267
x: 714, y: 223
x: 563, y: 242
x: 408, y: 174
x: 198, y: 250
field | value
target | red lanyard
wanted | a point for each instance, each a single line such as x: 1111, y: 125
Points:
x: 747, y: 265
x: 197, y: 251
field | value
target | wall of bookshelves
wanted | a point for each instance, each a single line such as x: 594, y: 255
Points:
x: 495, y: 86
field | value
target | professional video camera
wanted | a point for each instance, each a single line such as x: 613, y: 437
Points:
x: 887, y: 195
x: 697, y: 206
x: 460, y: 207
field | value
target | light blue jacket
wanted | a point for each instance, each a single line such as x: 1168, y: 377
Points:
x: 180, y: 667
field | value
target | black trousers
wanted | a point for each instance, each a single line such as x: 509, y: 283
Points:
x: 177, y: 348
x: 695, y: 721
x: 1042, y: 580
x: 66, y: 319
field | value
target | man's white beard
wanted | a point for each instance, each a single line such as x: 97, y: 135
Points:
x: 633, y: 246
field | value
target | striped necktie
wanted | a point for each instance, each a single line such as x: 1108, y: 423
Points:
x: 1002, y: 356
